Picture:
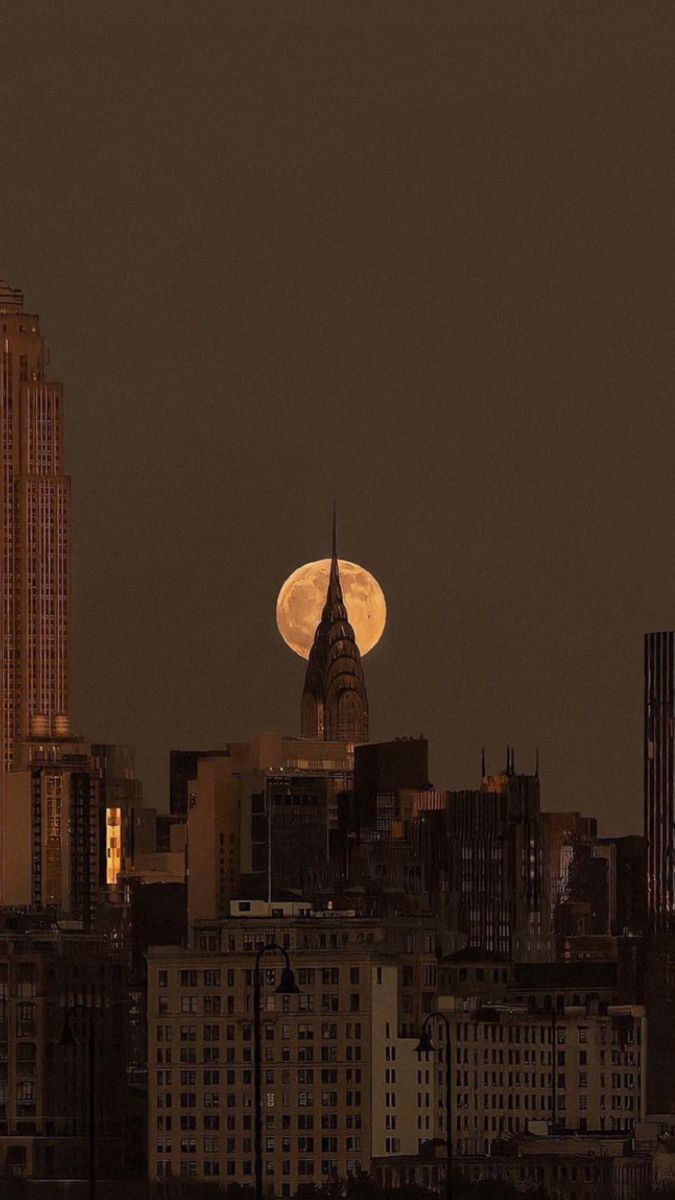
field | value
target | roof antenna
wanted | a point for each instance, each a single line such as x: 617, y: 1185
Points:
x: 334, y: 553
x: 482, y: 763
x: 536, y: 764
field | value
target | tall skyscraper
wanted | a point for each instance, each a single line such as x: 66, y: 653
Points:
x: 484, y: 858
x: 34, y: 537
x: 659, y: 817
x: 334, y: 700
x: 659, y: 778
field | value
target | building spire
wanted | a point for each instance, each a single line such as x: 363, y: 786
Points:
x: 334, y: 596
x: 334, y: 700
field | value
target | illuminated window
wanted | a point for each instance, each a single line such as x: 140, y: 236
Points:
x: 113, y: 844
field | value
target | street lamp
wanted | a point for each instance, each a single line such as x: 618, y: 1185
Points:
x: 287, y: 987
x: 426, y: 1046
x: 70, y: 1039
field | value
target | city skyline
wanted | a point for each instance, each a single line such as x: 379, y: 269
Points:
x: 476, y: 346
x: 361, y: 930
x: 13, y: 306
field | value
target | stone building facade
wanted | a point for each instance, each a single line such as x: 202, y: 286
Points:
x: 339, y: 1067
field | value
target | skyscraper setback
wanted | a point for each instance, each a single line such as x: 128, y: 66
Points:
x: 34, y: 537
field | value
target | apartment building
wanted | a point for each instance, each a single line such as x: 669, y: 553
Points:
x: 582, y: 1071
x: 532, y: 1046
x: 48, y: 976
x: 338, y: 1075
x: 536, y: 1043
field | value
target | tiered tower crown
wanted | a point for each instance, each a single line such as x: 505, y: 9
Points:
x: 334, y: 700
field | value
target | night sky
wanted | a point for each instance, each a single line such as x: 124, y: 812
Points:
x: 416, y: 257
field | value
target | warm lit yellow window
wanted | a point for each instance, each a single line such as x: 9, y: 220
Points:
x: 113, y: 856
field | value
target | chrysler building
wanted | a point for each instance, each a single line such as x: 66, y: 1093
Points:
x: 334, y: 700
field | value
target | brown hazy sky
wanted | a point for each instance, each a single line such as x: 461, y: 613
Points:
x: 415, y: 256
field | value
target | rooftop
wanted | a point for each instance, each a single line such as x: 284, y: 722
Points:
x: 11, y: 299
x: 566, y: 974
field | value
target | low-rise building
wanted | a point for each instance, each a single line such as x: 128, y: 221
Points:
x: 571, y: 1167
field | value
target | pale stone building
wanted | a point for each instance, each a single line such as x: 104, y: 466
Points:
x: 338, y: 1079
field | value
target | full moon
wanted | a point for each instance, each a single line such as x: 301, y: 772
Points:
x: 303, y: 595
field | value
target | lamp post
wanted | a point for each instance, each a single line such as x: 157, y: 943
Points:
x: 426, y: 1046
x: 68, y: 1038
x: 287, y: 987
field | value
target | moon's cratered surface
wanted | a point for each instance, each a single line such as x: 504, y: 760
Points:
x: 303, y: 595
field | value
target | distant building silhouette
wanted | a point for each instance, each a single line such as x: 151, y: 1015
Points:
x: 381, y: 771
x: 659, y: 818
x: 659, y: 778
x: 49, y: 973
x: 183, y: 769
x: 485, y: 864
